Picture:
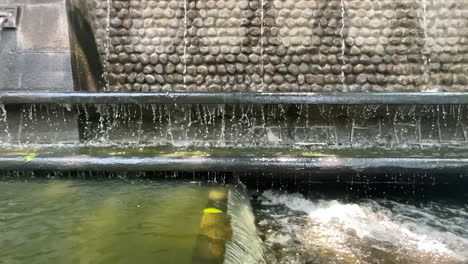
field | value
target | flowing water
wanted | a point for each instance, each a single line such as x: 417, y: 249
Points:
x: 123, y: 220
x: 317, y: 229
x: 117, y: 221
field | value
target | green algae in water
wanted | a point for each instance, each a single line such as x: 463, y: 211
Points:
x: 29, y: 153
x: 75, y: 221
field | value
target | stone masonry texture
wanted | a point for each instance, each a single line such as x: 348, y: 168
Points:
x: 282, y: 45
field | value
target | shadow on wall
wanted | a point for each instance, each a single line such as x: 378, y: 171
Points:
x: 87, y: 67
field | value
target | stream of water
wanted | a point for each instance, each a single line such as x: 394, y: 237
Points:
x: 123, y: 220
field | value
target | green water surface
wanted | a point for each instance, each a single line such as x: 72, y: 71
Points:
x: 77, y: 221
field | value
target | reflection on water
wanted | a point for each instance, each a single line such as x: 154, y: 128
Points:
x: 102, y: 222
x: 309, y: 230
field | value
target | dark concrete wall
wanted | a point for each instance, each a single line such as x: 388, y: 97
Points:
x: 291, y: 126
x: 36, y: 55
x: 38, y: 124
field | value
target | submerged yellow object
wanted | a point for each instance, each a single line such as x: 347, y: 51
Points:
x: 212, y: 211
x: 29, y: 157
x: 217, y: 195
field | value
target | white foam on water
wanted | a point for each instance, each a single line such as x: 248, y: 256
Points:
x: 417, y: 231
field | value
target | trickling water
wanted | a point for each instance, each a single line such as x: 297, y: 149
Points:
x: 424, y: 6
x: 244, y: 126
x: 4, y: 123
x: 222, y: 138
x: 426, y: 58
x: 169, y: 124
x: 262, y: 42
x: 107, y: 45
x: 140, y: 123
x: 185, y: 45
x: 343, y: 43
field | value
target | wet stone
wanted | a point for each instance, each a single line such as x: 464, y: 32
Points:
x: 147, y: 69
x: 140, y: 77
x: 138, y: 67
x: 117, y: 68
x: 115, y: 22
x: 150, y: 79
x: 153, y: 58
x: 163, y: 58
x: 143, y: 58
x: 159, y: 68
x: 286, y: 45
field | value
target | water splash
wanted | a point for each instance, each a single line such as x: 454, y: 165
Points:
x: 355, y: 232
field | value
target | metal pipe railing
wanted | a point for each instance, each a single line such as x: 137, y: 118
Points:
x: 234, y: 98
x: 315, y: 165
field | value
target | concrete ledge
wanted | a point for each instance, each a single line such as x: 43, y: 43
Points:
x: 233, y: 98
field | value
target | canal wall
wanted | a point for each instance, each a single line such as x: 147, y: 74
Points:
x: 282, y: 45
x: 36, y: 55
x: 237, y: 46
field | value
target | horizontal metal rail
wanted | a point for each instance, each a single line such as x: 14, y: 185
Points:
x: 233, y: 98
x: 312, y: 165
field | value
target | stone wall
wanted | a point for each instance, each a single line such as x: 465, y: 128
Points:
x: 283, y: 45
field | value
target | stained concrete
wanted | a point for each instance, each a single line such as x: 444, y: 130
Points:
x: 402, y: 127
x: 36, y: 55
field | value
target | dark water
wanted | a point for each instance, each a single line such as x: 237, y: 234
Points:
x: 318, y: 228
x: 76, y: 221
